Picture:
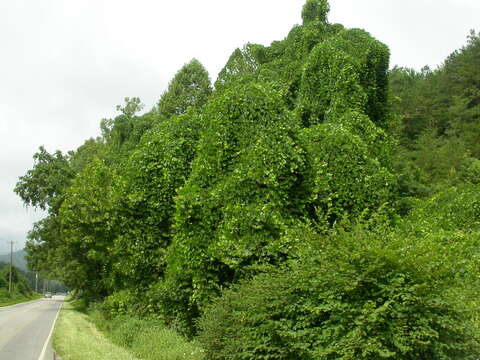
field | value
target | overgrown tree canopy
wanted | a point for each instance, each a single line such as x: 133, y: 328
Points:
x: 326, y: 206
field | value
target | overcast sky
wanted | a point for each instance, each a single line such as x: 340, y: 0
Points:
x: 65, y: 64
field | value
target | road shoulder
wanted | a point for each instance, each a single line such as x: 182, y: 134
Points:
x: 76, y: 338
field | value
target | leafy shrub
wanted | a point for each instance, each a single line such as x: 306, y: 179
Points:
x: 470, y: 171
x: 148, y: 337
x: 355, y: 295
x: 124, y: 330
x: 81, y: 303
x: 120, y: 303
x: 169, y: 300
x: 456, y: 208
x: 87, y: 228
x: 242, y: 66
x: 160, y: 343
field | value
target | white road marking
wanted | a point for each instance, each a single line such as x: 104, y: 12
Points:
x: 45, y: 346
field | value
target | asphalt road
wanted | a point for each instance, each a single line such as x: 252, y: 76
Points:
x: 25, y: 328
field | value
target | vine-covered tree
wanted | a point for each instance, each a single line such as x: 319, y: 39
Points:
x: 242, y: 66
x: 144, y: 197
x: 315, y: 11
x: 190, y: 87
x: 295, y: 197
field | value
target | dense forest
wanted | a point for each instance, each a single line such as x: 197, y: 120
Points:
x: 308, y: 204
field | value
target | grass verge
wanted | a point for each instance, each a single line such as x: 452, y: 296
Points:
x: 148, y: 339
x: 151, y: 340
x: 76, y: 338
x: 7, y: 299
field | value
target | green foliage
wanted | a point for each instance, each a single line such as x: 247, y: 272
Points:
x: 455, y: 208
x: 462, y: 72
x: 242, y: 66
x: 168, y: 345
x: 43, y: 186
x: 345, y: 72
x: 354, y: 295
x: 3, y: 280
x: 20, y: 288
x: 470, y: 172
x: 283, y: 62
x: 43, y: 240
x: 346, y: 178
x: 315, y: 11
x: 439, y: 158
x: 193, y: 196
x: 144, y: 197
x: 231, y: 188
x: 147, y: 339
x: 190, y: 87
x: 123, y: 133
x: 120, y: 303
x: 76, y: 337
x: 411, y: 100
x: 242, y: 193
x: 439, y: 112
x: 90, y: 150
x: 88, y: 226
x: 7, y: 299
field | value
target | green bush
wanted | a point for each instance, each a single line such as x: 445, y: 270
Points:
x: 470, y: 171
x: 81, y: 303
x: 120, y: 303
x: 160, y: 343
x: 455, y: 208
x: 124, y: 330
x: 355, y: 295
x: 148, y: 338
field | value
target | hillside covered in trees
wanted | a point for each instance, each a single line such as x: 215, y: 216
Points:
x: 309, y: 204
x: 22, y: 285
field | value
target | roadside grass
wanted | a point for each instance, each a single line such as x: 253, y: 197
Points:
x: 153, y: 341
x: 146, y: 338
x: 7, y: 299
x: 76, y: 338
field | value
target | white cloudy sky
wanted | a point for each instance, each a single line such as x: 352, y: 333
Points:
x: 65, y: 64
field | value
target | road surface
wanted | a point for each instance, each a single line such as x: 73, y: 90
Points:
x: 25, y: 329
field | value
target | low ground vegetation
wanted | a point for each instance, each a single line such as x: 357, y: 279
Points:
x: 121, y: 337
x: 7, y: 298
x: 77, y: 338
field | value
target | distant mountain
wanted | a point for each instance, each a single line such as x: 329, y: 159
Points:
x: 18, y: 258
